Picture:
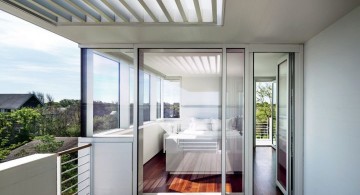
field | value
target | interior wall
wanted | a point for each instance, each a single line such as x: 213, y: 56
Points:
x: 331, y: 108
x: 200, y: 98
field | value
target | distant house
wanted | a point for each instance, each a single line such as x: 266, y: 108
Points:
x: 10, y: 102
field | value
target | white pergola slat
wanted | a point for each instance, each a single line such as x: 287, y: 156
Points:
x: 108, y: 12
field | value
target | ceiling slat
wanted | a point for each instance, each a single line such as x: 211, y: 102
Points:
x: 45, y: 5
x: 147, y: 9
x: 82, y: 10
x: 198, y: 10
x: 117, y: 12
x: 214, y: 10
x: 166, y: 12
x: 181, y: 10
x: 35, y: 9
x: 132, y: 11
x: 190, y: 61
x: 59, y: 6
x: 100, y: 11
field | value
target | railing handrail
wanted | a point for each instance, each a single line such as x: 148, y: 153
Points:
x: 74, y: 149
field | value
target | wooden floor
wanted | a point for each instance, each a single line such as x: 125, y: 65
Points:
x: 156, y: 179
x: 264, y: 172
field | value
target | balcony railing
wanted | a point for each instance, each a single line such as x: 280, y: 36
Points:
x: 264, y: 133
x: 74, y: 171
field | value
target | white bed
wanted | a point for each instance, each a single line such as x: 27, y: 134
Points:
x: 199, y: 151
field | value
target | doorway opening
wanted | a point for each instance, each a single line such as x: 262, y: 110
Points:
x: 272, y: 122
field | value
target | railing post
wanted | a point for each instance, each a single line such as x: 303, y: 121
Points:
x: 270, y: 129
x: 58, y: 173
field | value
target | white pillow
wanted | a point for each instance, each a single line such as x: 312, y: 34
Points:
x: 216, y: 124
x: 200, y: 124
x: 230, y: 124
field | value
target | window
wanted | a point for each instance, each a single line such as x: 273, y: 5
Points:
x: 146, y: 105
x: 106, y: 94
x: 171, y: 98
x: 113, y: 90
x: 158, y: 97
x: 131, y: 90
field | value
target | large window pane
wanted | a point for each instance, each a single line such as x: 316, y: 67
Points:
x: 106, y: 93
x: 158, y: 98
x: 113, y: 89
x: 171, y: 99
x: 146, y: 103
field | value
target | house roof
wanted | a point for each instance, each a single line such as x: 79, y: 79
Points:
x: 14, y: 101
x: 244, y: 21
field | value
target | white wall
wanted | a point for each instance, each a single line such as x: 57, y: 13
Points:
x: 35, y: 174
x: 153, y: 140
x: 332, y: 95
x: 200, y: 98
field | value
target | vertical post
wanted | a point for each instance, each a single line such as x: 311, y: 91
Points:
x: 86, y: 93
x: 270, y: 129
x: 135, y: 122
x: 249, y: 121
x: 58, y: 174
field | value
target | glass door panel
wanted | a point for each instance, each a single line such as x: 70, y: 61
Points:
x: 234, y: 122
x: 282, y: 124
x: 273, y: 115
x: 181, y: 151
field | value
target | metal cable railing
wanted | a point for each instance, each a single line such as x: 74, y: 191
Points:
x: 263, y: 130
x: 74, y: 170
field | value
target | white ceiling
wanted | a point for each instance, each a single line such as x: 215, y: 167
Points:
x: 265, y: 64
x: 185, y: 64
x: 246, y: 21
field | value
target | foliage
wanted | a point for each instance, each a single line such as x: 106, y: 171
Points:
x: 105, y: 122
x: 263, y: 98
x: 71, y: 165
x: 21, y: 126
x: 47, y: 144
x: 263, y: 108
x: 171, y: 110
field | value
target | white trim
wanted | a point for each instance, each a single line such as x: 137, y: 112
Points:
x: 248, y: 74
x: 249, y: 123
x: 298, y: 173
x: 223, y: 117
x: 275, y: 48
x: 135, y: 124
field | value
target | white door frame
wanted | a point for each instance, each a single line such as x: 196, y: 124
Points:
x: 249, y: 110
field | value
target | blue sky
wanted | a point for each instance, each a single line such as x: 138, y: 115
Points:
x: 34, y: 59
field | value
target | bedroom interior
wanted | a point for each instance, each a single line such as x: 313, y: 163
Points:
x: 190, y: 159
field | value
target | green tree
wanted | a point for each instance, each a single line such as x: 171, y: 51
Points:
x: 263, y: 99
x: 47, y: 144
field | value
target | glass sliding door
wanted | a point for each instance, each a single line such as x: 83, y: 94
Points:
x: 180, y: 152
x: 234, y: 122
x: 283, y: 124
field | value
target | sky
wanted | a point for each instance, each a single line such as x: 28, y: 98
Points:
x: 34, y: 59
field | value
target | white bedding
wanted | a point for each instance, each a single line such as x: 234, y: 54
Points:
x: 199, y: 134
x: 193, y: 145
